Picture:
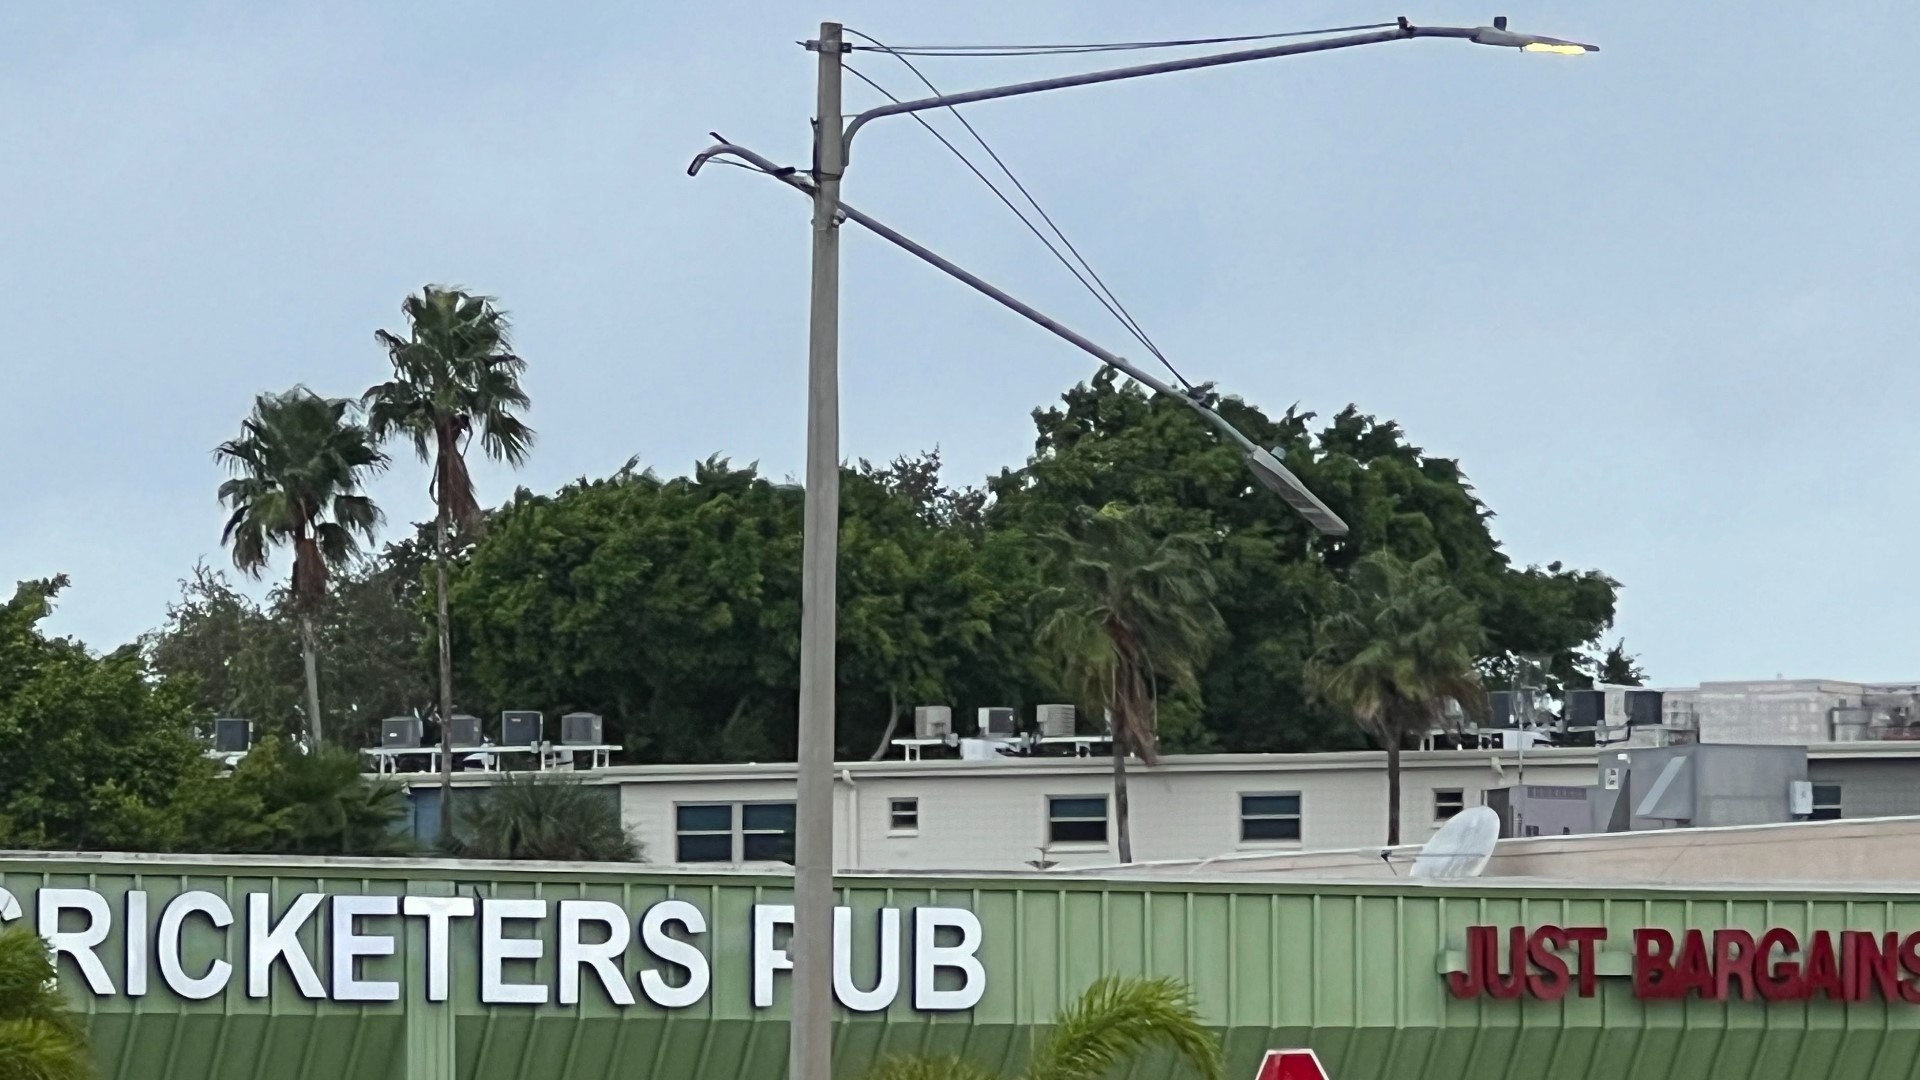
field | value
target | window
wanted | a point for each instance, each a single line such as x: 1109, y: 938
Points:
x: 1075, y: 819
x: 903, y: 815
x: 1826, y: 803
x: 1447, y: 802
x: 704, y: 832
x: 733, y: 832
x: 1269, y: 817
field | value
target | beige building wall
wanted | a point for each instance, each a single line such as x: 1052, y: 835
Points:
x: 994, y: 815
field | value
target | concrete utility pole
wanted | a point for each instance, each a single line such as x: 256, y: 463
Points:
x: 810, y: 1037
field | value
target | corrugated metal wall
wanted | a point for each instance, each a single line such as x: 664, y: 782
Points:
x: 1352, y: 972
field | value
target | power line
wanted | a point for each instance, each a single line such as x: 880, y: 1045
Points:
x: 1112, y: 46
x: 1097, y: 287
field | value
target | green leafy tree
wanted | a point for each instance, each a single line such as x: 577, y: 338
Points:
x: 40, y: 1039
x: 672, y: 606
x: 455, y: 378
x: 1399, y: 651
x: 551, y: 817
x: 1131, y: 610
x: 1108, y: 441
x: 103, y: 756
x: 1618, y: 667
x: 241, y: 658
x: 297, y: 469
x: 1109, y: 1025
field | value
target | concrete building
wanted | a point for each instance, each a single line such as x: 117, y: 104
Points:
x: 1024, y: 813
x: 1788, y: 712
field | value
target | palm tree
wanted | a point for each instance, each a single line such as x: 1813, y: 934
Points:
x: 1131, y: 609
x: 544, y: 816
x: 297, y: 469
x: 1114, y: 1020
x: 454, y: 375
x: 39, y: 1038
x: 1400, y: 650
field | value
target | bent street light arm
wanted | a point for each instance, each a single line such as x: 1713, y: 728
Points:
x: 1497, y: 34
x: 1265, y: 465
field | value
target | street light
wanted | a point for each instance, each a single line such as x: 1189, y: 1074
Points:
x: 811, y: 1023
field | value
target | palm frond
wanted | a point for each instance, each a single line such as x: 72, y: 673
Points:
x: 1115, y: 1019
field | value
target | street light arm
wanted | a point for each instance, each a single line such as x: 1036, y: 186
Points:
x: 1405, y: 31
x: 1266, y: 466
x: 1292, y: 48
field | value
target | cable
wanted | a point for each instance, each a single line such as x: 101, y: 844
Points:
x: 1097, y: 286
x: 1115, y: 46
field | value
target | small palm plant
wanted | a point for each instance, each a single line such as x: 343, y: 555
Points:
x: 1114, y: 1020
x: 39, y: 1038
x: 555, y: 817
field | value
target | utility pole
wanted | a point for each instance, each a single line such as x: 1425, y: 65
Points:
x: 810, y: 1032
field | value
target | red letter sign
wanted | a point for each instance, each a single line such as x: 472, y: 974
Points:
x: 1291, y: 1065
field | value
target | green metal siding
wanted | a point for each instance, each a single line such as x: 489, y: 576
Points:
x: 1350, y: 971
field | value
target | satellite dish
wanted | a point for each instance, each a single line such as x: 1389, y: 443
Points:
x: 1461, y: 848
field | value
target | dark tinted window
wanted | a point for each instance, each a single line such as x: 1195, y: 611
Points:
x: 1077, y: 820
x: 756, y: 817
x: 705, y: 847
x: 716, y: 817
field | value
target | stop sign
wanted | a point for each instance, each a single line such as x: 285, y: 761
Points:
x: 1291, y: 1065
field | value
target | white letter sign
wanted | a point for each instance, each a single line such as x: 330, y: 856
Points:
x: 172, y: 923
x: 349, y: 945
x: 496, y: 948
x: 603, y: 957
x: 653, y: 934
x: 929, y: 956
x: 267, y: 943
x: 78, y: 944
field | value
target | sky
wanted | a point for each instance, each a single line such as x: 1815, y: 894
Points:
x: 1659, y: 301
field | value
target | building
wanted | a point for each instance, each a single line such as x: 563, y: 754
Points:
x: 1023, y: 813
x: 1615, y: 957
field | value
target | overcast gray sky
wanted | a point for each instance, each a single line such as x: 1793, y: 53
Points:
x: 1660, y: 301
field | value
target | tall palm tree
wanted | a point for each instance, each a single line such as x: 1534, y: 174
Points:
x: 455, y: 375
x: 1401, y: 648
x: 1113, y: 1021
x: 1130, y: 609
x: 39, y: 1038
x: 297, y: 469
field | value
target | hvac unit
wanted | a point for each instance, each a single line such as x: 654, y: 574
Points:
x: 580, y: 729
x: 466, y: 731
x: 232, y: 736
x: 1500, y: 709
x: 1585, y: 709
x: 1055, y: 721
x: 996, y: 723
x: 932, y: 721
x: 400, y: 732
x: 1646, y: 708
x: 520, y: 727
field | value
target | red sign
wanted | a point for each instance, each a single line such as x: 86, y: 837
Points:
x: 1291, y: 1065
x: 1545, y: 963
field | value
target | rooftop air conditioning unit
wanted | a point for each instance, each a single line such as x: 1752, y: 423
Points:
x: 520, y: 727
x: 400, y: 732
x: 1056, y: 721
x: 1646, y: 708
x: 232, y: 736
x: 932, y: 721
x: 996, y: 723
x: 466, y: 731
x: 1585, y: 710
x: 580, y: 729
